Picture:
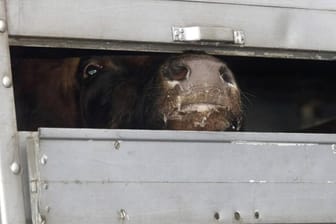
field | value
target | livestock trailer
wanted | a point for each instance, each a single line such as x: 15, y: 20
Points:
x: 144, y: 176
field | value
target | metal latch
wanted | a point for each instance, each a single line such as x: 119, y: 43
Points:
x: 218, y: 34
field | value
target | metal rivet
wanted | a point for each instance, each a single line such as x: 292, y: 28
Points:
x: 45, y: 186
x: 2, y: 26
x: 44, y: 160
x: 117, y: 145
x: 47, y: 208
x: 41, y: 219
x: 333, y: 148
x: 236, y: 215
x: 123, y: 214
x: 217, y: 216
x: 6, y: 81
x: 256, y: 215
x: 15, y: 168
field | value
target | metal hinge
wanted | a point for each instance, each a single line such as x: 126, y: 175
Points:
x: 199, y: 33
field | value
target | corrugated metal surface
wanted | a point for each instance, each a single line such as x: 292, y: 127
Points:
x: 184, y: 177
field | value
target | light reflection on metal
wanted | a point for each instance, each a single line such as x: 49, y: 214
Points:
x: 2, y: 26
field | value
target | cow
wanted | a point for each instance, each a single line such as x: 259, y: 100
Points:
x: 190, y: 91
x: 46, y: 93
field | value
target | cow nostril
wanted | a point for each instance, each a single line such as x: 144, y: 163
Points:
x: 180, y: 73
x: 226, y: 75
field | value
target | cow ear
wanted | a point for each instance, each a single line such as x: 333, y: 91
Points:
x: 91, y: 70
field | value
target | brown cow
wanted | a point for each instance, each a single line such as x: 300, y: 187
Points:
x: 46, y: 93
x: 185, y: 92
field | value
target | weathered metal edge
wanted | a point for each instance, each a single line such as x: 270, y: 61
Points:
x: 191, y: 136
x: 211, y: 48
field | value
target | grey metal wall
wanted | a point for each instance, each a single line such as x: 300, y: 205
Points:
x: 120, y: 176
x: 271, y: 26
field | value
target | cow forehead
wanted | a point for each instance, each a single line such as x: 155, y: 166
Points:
x: 204, y: 63
x: 114, y: 62
x: 109, y: 62
x: 199, y: 59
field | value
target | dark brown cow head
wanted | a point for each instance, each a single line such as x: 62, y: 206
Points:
x: 109, y: 89
x: 181, y: 92
x: 46, y: 93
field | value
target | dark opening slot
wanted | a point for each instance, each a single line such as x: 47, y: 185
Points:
x: 278, y: 95
x: 287, y: 95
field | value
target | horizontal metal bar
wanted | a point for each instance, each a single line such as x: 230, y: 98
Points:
x: 190, y: 136
x: 170, y: 161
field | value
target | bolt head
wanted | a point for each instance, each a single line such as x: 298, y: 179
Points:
x: 237, y: 215
x: 44, y: 160
x: 15, y: 168
x: 2, y: 26
x: 123, y: 214
x: 6, y: 81
x: 45, y: 186
x: 217, y: 216
x: 41, y: 219
x: 117, y: 145
x: 256, y: 215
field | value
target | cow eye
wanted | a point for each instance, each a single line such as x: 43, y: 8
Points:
x: 91, y: 70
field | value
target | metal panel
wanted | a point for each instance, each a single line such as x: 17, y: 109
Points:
x: 151, y: 21
x: 112, y: 176
x: 11, y: 195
